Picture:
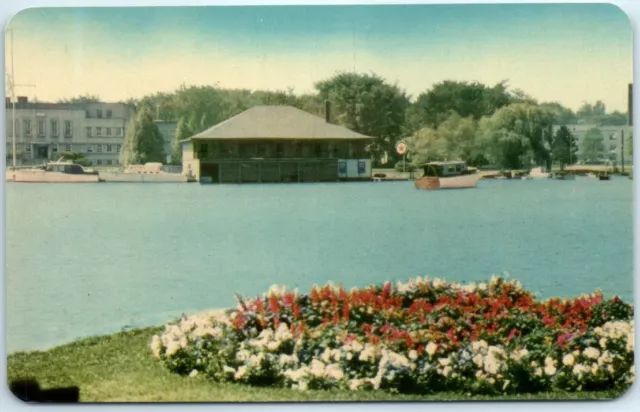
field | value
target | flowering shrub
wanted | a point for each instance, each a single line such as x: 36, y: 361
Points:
x: 417, y: 337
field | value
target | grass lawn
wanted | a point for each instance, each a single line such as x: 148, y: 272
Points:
x: 120, y: 368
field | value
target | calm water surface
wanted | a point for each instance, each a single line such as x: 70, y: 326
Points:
x: 92, y: 259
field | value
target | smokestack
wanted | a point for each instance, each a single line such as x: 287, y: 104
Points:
x: 327, y: 111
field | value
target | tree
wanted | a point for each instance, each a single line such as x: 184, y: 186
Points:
x: 182, y: 132
x: 77, y: 158
x: 81, y: 99
x: 502, y: 134
x: 592, y: 145
x: 630, y: 144
x: 562, y: 115
x: 564, y: 148
x: 368, y: 105
x: 143, y: 142
x: 466, y: 99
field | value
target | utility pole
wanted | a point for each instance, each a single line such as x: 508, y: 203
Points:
x: 12, y: 85
x: 622, y: 149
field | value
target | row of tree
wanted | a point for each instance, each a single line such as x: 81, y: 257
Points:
x: 467, y: 120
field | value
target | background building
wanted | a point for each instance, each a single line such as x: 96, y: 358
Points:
x: 615, y: 139
x: 44, y: 130
x: 277, y: 144
x: 168, y: 132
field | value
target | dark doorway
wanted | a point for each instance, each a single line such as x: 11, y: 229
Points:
x: 210, y: 170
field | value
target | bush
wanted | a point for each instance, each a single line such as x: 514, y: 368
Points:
x: 417, y: 337
x: 409, y: 167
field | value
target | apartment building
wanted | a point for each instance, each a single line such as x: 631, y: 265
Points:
x: 44, y: 130
x: 615, y: 139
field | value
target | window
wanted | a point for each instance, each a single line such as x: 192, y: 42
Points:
x: 67, y: 128
x: 89, y: 148
x: 68, y: 148
x: 109, y: 148
x: 28, y: 148
x: 54, y: 128
x: 54, y: 148
x: 612, y: 147
x: 98, y: 131
x: 204, y: 149
x: 109, y: 113
x: 89, y: 131
x: 99, y: 113
x: 280, y: 150
x: 108, y: 131
x: 118, y: 147
x: 41, y: 128
x: 27, y: 127
x: 119, y: 131
x: 612, y: 136
x: 99, y: 148
x: 109, y: 162
x: 99, y: 162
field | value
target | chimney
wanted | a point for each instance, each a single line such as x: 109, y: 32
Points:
x: 327, y: 111
x: 22, y: 99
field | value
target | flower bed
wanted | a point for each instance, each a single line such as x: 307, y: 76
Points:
x: 418, y: 337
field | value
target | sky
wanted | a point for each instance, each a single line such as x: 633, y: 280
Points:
x: 569, y: 53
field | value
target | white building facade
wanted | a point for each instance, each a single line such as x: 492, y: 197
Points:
x: 44, y: 130
x: 615, y: 141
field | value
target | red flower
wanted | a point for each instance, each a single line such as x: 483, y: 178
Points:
x: 274, y: 307
x: 512, y: 334
x: 296, y: 311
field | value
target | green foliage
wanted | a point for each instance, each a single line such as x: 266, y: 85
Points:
x: 183, y: 131
x: 455, y: 138
x: 562, y: 115
x: 143, y: 142
x: 564, y: 148
x: 402, y: 167
x: 474, y: 100
x: 368, y: 105
x: 81, y: 99
x: 630, y: 144
x: 77, y: 158
x: 593, y: 145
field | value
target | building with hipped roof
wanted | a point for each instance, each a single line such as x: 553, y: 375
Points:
x: 277, y: 144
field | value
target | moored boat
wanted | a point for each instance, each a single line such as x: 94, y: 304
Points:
x: 539, y: 173
x: 447, y: 175
x: 55, y: 172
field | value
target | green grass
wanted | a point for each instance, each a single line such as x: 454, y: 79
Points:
x: 120, y: 368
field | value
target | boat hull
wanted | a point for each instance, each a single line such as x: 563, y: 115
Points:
x: 120, y: 177
x: 41, y: 176
x: 454, y: 182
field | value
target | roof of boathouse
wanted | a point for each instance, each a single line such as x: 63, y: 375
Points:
x: 277, y: 122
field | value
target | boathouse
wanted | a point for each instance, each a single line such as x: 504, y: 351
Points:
x: 276, y: 144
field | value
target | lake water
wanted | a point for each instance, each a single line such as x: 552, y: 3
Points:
x: 91, y: 259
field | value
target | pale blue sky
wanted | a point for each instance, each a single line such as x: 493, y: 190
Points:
x: 568, y: 53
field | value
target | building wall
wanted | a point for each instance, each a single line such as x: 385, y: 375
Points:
x: 97, y: 130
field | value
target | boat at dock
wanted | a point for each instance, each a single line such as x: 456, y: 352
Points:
x: 147, y: 173
x: 448, y: 175
x: 54, y: 172
x: 539, y: 173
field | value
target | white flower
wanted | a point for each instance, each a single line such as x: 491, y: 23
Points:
x: 479, y: 345
x: 568, y: 360
x: 538, y: 372
x: 277, y: 290
x: 506, y: 384
x: 478, y: 360
x: 482, y: 286
x: 446, y: 371
x: 334, y: 372
x: 594, y: 368
x: 273, y: 346
x: 431, y: 348
x: 444, y: 361
x: 581, y: 369
x: 336, y: 354
x: 243, y: 355
x: 491, y: 365
x: 610, y: 369
x: 438, y: 283
x: 326, y: 355
x: 356, y: 346
x: 470, y: 288
x: 549, y: 361
x: 228, y: 369
x: 603, y: 343
x: 172, y: 348
x: 550, y: 370
x: 193, y: 373
x: 317, y: 368
x: 242, y: 370
x: 413, y: 354
x: 354, y: 384
x: 349, y: 356
x: 283, y: 333
x: 591, y: 353
x: 301, y: 386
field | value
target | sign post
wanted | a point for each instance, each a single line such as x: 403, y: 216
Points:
x: 401, y: 149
